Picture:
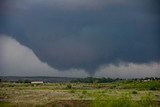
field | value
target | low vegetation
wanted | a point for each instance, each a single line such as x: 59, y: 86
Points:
x: 115, y: 94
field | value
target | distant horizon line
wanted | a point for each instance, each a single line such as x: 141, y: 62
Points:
x: 79, y: 77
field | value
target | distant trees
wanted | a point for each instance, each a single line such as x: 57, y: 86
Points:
x: 23, y: 81
x: 95, y: 80
x: 108, y: 80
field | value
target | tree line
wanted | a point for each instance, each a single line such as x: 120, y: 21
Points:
x: 108, y: 80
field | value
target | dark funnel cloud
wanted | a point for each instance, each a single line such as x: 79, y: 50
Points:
x: 85, y: 34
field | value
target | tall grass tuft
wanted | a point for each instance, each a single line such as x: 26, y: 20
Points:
x: 125, y: 100
x: 147, y: 100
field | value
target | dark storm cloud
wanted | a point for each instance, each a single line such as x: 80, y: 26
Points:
x: 85, y: 34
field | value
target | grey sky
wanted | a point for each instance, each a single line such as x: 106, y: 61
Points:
x: 18, y: 60
x: 84, y: 34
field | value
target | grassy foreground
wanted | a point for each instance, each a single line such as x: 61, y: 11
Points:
x: 116, y: 94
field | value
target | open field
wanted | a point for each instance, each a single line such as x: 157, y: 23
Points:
x: 116, y: 94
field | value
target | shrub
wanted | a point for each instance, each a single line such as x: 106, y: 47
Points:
x: 134, y: 92
x: 153, y: 88
x: 69, y: 86
x: 72, y: 91
x: 113, y: 87
x: 84, y: 92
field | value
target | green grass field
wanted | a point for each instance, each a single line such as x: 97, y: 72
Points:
x: 116, y: 94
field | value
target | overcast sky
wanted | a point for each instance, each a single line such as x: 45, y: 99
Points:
x: 80, y: 38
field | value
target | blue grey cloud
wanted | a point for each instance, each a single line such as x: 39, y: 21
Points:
x: 85, y: 34
x: 18, y: 60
